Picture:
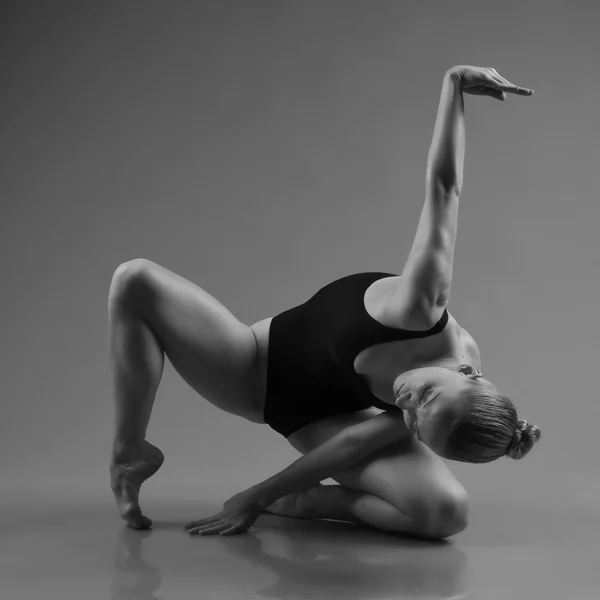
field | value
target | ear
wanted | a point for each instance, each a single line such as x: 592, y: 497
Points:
x: 470, y: 371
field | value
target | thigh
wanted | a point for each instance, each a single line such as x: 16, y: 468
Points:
x: 207, y: 345
x: 408, y: 475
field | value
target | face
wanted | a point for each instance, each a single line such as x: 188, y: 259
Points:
x: 430, y: 398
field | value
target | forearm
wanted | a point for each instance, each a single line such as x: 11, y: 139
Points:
x: 331, y: 457
x: 446, y: 158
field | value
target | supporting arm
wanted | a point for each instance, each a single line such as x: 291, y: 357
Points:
x: 331, y: 457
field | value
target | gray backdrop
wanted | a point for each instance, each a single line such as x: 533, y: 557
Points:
x: 263, y: 149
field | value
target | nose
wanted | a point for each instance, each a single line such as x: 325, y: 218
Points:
x: 410, y: 392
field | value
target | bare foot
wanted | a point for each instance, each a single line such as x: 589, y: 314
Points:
x: 128, y: 470
x: 298, y: 504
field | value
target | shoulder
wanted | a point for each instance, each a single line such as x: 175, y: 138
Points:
x: 383, y: 301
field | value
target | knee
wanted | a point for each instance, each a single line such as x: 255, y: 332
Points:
x: 447, y: 517
x: 129, y: 281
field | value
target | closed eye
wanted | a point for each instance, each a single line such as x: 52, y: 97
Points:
x: 431, y: 399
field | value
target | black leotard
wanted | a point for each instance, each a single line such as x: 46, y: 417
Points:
x: 312, y: 347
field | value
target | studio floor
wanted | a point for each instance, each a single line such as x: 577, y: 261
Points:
x: 540, y: 545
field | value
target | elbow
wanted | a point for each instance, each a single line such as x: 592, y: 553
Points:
x: 443, y: 186
x: 358, y: 444
x: 348, y: 437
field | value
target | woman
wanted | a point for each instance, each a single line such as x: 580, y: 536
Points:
x: 371, y: 379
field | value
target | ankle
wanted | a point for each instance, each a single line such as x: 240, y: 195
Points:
x: 331, y: 502
x: 124, y: 450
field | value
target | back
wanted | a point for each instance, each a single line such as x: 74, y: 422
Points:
x: 311, y: 354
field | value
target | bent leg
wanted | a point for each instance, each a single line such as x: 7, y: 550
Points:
x: 340, y: 503
x: 212, y: 351
x: 137, y: 362
x: 414, y: 480
x: 408, y: 476
x: 153, y: 312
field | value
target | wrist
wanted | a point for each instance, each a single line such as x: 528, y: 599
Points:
x: 260, y: 496
x: 453, y: 76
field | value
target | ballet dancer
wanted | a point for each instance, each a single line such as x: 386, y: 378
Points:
x: 371, y: 379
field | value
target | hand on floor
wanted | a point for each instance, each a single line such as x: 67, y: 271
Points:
x: 238, y: 514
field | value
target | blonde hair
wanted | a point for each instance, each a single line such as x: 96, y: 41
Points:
x: 487, y: 428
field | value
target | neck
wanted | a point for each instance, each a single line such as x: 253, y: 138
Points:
x: 445, y: 362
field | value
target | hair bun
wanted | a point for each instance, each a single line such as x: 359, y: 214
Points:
x: 523, y: 439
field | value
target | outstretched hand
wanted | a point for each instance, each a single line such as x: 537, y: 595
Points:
x: 238, y: 514
x: 481, y: 81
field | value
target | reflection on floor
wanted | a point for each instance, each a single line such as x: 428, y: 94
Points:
x: 58, y: 548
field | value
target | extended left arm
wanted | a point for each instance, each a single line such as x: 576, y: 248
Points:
x: 422, y: 292
x: 445, y: 162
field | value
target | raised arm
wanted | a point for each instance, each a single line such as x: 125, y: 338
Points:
x: 424, y: 289
x: 445, y: 161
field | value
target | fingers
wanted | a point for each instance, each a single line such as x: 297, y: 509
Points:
x: 515, y: 89
x: 220, y: 527
x: 201, y: 522
x: 213, y: 525
x: 507, y: 86
x: 209, y: 529
x: 232, y: 530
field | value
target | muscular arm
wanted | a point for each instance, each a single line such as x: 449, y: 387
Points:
x: 446, y: 158
x: 333, y: 456
x: 423, y: 291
